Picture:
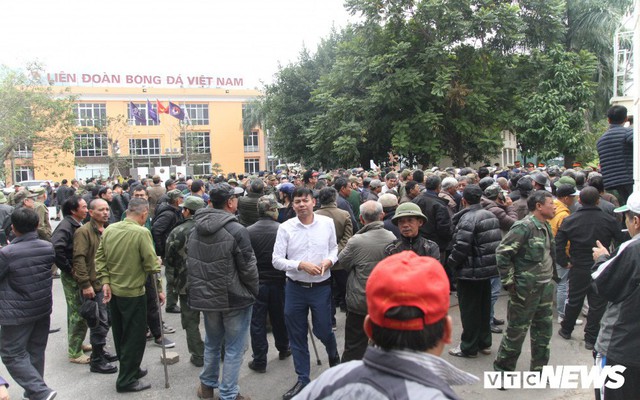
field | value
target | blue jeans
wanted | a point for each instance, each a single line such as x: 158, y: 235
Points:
x: 270, y: 301
x: 232, y: 328
x: 561, y: 290
x: 496, y: 287
x: 298, y: 301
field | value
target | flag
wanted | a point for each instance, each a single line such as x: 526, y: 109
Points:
x: 136, y: 114
x: 176, y: 111
x: 162, y: 109
x: 187, y: 119
x: 153, y: 115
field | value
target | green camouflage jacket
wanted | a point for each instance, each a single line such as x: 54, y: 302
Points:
x: 520, y: 255
x: 176, y: 252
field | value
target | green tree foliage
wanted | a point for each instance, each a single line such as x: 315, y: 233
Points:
x: 428, y: 79
x: 555, y: 96
x: 33, y: 115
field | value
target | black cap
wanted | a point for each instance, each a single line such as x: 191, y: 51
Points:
x: 221, y: 192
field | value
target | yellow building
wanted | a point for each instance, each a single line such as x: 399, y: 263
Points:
x: 108, y: 135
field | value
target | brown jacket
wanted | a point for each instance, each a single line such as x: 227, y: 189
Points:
x: 155, y: 192
x: 342, y: 222
x: 86, y: 240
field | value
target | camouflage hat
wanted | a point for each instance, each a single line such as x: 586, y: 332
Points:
x: 492, y: 191
x: 173, y: 195
x: 39, y: 191
x: 408, y: 210
x: 21, y: 195
x: 193, y: 203
x: 3, y: 199
x: 268, y: 206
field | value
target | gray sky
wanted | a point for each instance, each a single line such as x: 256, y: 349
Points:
x: 231, y: 38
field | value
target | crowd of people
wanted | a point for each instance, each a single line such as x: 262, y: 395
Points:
x: 249, y: 254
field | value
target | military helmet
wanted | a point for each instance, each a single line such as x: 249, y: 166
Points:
x: 408, y: 210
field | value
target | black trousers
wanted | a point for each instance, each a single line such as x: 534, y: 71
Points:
x: 579, y: 287
x: 474, y: 299
x: 153, y: 312
x: 128, y: 316
x: 355, y: 339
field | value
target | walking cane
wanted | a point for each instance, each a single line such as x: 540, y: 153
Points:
x: 164, y: 350
x: 313, y: 342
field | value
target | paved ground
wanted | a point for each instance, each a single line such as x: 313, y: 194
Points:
x: 76, y: 382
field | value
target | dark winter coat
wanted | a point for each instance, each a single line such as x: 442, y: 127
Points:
x: 475, y: 240
x: 263, y: 237
x: 167, y: 217
x: 438, y: 225
x: 221, y: 266
x: 615, y: 149
x: 25, y: 280
x: 62, y: 240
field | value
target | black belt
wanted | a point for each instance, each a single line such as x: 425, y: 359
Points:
x: 310, y: 284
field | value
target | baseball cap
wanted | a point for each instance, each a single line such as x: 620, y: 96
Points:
x: 38, y: 191
x: 221, y: 192
x: 22, y: 195
x: 174, y: 194
x: 486, y: 182
x: 492, y: 191
x: 193, y: 203
x: 633, y: 204
x: 565, y: 180
x: 375, y: 183
x: 407, y: 280
x: 566, y: 190
x: 408, y: 210
x: 388, y: 200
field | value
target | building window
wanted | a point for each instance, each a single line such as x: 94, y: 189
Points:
x: 198, y: 142
x: 91, y: 114
x: 143, y: 110
x: 202, y: 168
x: 91, y: 145
x: 197, y: 113
x: 144, y: 147
x: 23, y: 150
x: 23, y: 174
x: 251, y: 142
x: 251, y: 165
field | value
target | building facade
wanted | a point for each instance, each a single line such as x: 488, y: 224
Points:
x: 110, y: 138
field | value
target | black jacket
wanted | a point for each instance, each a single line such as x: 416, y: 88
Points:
x: 389, y: 225
x: 167, y: 217
x: 263, y: 237
x: 25, y: 280
x: 419, y: 245
x: 582, y: 229
x: 438, y: 225
x: 475, y: 240
x: 615, y: 149
x: 221, y: 267
x: 248, y: 209
x: 62, y: 240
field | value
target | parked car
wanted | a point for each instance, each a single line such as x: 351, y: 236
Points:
x: 30, y: 185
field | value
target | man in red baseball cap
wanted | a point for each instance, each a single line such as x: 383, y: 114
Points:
x: 409, y: 325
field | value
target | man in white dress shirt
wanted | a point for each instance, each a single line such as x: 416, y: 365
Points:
x: 306, y: 249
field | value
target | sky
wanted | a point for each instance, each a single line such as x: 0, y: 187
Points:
x: 245, y: 39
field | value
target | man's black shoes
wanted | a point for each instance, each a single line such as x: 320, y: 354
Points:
x: 283, y: 355
x: 496, y: 329
x: 142, y: 372
x: 173, y: 310
x: 136, y: 386
x: 333, y: 361
x: 564, y: 334
x: 293, y: 392
x: 109, y: 357
x: 497, y: 321
x: 101, y: 366
x: 258, y: 368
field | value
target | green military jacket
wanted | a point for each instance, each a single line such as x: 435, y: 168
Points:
x: 86, y: 240
x: 125, y: 257
x: 176, y: 253
x: 521, y: 254
x: 44, y: 226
